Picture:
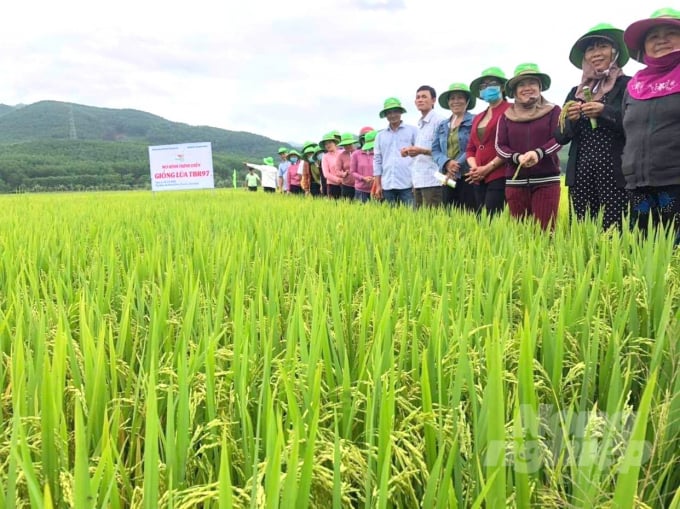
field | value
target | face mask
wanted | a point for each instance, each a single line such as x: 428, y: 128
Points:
x: 490, y: 94
x: 319, y: 157
x: 293, y: 159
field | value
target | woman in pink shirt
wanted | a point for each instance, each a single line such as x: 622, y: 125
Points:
x: 348, y: 143
x: 294, y: 176
x: 361, y: 168
x: 330, y: 166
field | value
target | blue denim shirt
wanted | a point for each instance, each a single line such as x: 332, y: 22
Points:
x: 441, y: 142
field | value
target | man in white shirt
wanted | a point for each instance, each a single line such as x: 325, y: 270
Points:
x: 269, y: 173
x: 427, y: 190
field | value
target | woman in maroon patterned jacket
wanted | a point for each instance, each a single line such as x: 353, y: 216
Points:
x: 525, y: 140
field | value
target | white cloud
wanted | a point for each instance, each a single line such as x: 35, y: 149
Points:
x: 292, y: 70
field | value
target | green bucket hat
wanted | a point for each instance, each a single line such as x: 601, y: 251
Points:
x: 634, y: 36
x: 600, y: 31
x: 293, y: 152
x: 328, y: 137
x: 457, y: 87
x: 391, y: 103
x: 524, y: 71
x: 491, y: 72
x: 347, y: 139
x: 269, y: 161
x: 307, y: 144
x: 283, y: 150
x: 310, y: 149
x: 369, y: 140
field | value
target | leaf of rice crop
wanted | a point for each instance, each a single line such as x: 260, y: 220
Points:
x: 430, y: 438
x: 225, y: 490
x: 494, y: 402
x: 49, y: 426
x: 522, y: 461
x: 272, y: 476
x: 627, y: 480
x: 82, y: 494
x: 47, y: 498
x: 337, y: 463
x: 312, y: 425
x: 151, y: 457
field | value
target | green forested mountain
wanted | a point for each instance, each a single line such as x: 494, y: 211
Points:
x: 54, y: 145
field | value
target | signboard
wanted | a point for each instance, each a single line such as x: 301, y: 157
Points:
x: 180, y: 167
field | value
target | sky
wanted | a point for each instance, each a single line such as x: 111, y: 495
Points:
x: 292, y: 70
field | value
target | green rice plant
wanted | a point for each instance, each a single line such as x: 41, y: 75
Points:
x: 221, y: 349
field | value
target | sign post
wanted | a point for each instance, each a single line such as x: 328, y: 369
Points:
x: 181, y: 167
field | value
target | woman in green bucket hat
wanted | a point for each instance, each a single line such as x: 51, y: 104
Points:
x: 487, y: 171
x: 451, y: 139
x: 294, y: 172
x: 526, y: 141
x: 348, y: 143
x: 651, y: 121
x: 329, y: 165
x: 361, y: 167
x: 311, y: 170
x: 592, y: 123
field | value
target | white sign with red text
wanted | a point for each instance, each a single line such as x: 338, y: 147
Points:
x: 183, y: 166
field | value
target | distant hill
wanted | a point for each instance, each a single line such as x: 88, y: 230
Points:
x: 51, y: 145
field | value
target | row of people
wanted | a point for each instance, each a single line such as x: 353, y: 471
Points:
x: 624, y: 136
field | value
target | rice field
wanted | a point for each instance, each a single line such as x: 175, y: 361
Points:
x: 225, y: 349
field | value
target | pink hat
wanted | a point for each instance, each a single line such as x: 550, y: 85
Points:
x: 634, y: 36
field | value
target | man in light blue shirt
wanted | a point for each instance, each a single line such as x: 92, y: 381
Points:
x: 283, y: 170
x: 427, y: 189
x: 391, y: 166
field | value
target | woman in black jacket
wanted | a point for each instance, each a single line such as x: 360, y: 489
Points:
x: 594, y: 126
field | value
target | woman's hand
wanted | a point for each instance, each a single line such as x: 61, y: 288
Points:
x: 476, y: 174
x: 592, y: 109
x: 452, y: 169
x: 574, y: 111
x: 528, y: 159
